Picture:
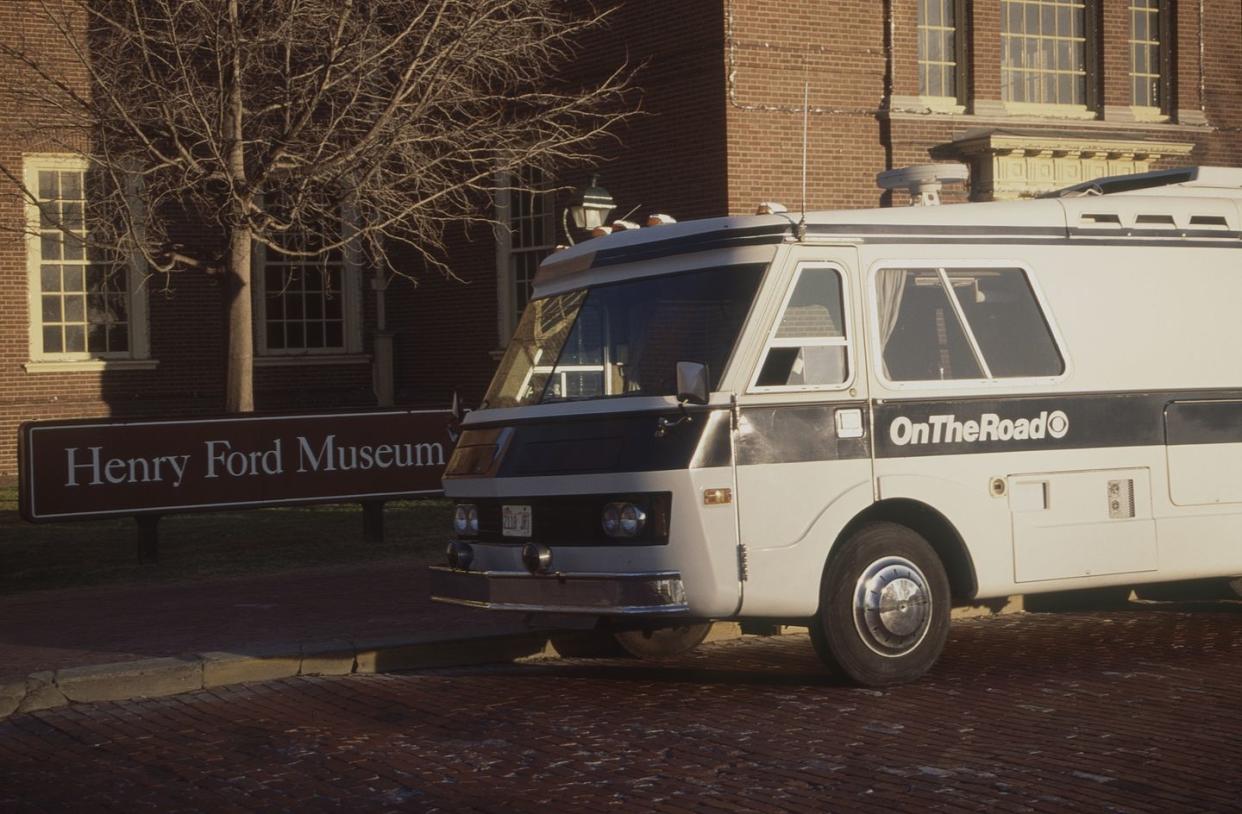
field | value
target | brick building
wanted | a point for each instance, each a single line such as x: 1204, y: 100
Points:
x: 1031, y: 94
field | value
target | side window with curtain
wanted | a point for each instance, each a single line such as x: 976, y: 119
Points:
x: 962, y: 323
x: 808, y: 347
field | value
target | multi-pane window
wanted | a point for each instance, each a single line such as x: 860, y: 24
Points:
x: 531, y: 233
x: 304, y: 299
x: 83, y: 299
x: 1145, y: 46
x: 1044, y: 51
x: 938, y: 57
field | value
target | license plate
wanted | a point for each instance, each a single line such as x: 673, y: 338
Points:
x: 515, y: 521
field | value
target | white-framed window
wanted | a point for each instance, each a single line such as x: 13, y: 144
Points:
x: 86, y: 306
x: 527, y: 234
x: 964, y: 323
x: 1148, y: 19
x: 940, y: 51
x: 307, y: 305
x: 808, y: 347
x: 1044, y: 52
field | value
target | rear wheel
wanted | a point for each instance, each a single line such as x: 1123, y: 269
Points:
x: 883, y: 608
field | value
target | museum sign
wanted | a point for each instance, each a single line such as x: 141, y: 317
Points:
x: 99, y: 468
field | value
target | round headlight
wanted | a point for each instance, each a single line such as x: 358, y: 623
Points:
x: 611, y: 521
x: 632, y: 520
x: 466, y: 519
x: 623, y: 520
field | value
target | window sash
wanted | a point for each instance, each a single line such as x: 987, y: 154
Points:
x: 80, y: 308
x: 306, y: 306
x: 1045, y: 55
x: 940, y: 48
x: 527, y: 235
x: 1147, y: 47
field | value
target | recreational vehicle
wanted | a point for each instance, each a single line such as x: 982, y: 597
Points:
x: 857, y: 420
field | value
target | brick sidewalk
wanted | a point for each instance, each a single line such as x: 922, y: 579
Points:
x: 1133, y: 710
x: 52, y: 630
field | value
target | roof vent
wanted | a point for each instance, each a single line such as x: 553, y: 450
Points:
x: 1209, y: 221
x: 923, y: 181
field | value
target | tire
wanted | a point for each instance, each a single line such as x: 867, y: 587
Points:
x: 664, y: 642
x: 884, y: 606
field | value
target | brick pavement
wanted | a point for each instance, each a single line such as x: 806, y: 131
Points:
x: 70, y: 628
x: 1129, y: 711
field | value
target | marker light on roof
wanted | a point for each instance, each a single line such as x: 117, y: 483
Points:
x: 771, y: 208
x: 660, y: 220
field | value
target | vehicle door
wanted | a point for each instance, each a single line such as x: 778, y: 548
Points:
x: 802, y: 440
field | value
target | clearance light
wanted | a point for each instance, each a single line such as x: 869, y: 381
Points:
x: 717, y: 497
x: 771, y: 208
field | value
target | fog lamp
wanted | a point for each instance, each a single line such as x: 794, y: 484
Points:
x: 460, y: 555
x: 537, y: 558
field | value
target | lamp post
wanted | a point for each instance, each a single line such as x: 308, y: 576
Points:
x: 589, y: 208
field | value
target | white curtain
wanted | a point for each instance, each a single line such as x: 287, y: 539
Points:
x: 890, y: 287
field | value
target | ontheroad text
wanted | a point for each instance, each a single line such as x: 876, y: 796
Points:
x: 989, y: 427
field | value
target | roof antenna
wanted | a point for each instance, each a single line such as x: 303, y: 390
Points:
x: 806, y: 114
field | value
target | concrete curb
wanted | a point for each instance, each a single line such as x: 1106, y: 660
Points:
x: 159, y: 677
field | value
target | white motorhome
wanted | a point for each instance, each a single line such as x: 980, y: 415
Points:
x: 861, y: 419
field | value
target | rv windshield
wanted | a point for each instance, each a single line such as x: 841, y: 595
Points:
x: 625, y: 339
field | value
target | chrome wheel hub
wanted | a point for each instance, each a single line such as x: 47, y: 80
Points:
x: 892, y: 606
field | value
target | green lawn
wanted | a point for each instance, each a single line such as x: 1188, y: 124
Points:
x: 194, y: 546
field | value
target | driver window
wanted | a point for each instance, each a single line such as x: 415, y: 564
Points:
x: 808, y: 348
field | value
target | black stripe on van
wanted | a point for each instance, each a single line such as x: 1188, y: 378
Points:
x: 607, y: 443
x: 1070, y: 421
x: 908, y: 428
x: 706, y: 241
x: 795, y: 433
x: 1204, y: 422
x: 896, y: 232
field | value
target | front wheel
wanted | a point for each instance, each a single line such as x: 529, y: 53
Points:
x: 663, y: 643
x: 883, y: 614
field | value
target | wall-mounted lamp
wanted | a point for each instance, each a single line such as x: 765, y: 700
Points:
x: 589, y: 207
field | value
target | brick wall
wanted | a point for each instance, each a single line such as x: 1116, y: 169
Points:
x: 721, y: 89
x: 774, y: 50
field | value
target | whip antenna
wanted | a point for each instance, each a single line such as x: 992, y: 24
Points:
x: 806, y: 115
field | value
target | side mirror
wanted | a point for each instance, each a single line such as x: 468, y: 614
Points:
x: 692, y: 382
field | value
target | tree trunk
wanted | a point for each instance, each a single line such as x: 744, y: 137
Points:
x: 239, y: 394
x: 239, y: 391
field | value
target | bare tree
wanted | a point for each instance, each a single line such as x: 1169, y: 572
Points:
x: 309, y: 127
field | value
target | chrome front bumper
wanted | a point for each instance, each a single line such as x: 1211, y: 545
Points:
x: 659, y: 592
